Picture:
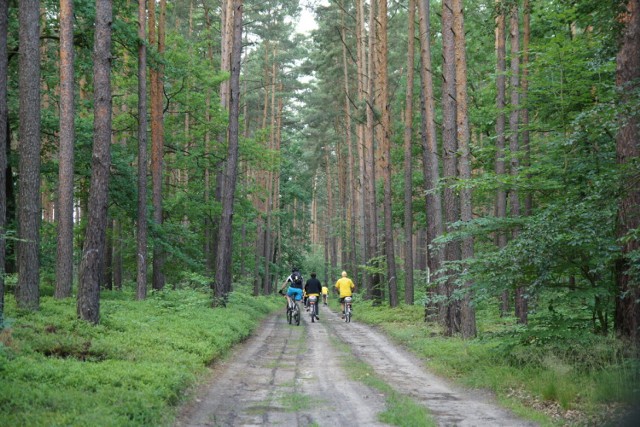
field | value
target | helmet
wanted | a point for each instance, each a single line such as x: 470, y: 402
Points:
x: 344, y: 274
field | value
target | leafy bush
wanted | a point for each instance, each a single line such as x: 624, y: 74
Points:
x: 131, y: 369
x: 551, y: 363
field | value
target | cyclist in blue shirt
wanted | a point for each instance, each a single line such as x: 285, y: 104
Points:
x: 295, y: 283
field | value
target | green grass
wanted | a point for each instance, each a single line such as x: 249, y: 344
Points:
x: 570, y: 370
x: 133, y: 369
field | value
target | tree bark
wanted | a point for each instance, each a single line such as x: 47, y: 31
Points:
x: 514, y: 145
x: 408, y: 156
x: 371, y: 219
x: 64, y: 264
x: 449, y: 313
x: 501, y: 88
x: 468, y: 316
x: 435, y: 226
x: 627, y: 311
x: 524, y: 92
x: 141, y: 276
x: 93, y: 251
x: 27, y: 291
x: 351, y: 202
x: 225, y: 238
x: 157, y: 138
x: 385, y: 150
x: 360, y: 132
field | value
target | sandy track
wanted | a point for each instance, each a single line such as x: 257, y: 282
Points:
x: 294, y: 376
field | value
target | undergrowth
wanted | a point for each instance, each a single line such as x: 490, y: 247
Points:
x: 132, y: 369
x: 545, y: 372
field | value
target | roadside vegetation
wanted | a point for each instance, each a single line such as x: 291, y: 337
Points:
x: 552, y: 371
x: 133, y: 369
x: 144, y: 357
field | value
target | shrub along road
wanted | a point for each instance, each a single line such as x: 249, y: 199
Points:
x: 300, y: 375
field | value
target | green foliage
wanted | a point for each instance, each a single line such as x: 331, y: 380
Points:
x: 131, y: 369
x: 559, y: 364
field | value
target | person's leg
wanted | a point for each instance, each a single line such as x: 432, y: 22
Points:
x: 317, y: 306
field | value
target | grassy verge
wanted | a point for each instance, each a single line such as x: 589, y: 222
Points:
x: 577, y: 379
x: 400, y: 410
x: 132, y: 369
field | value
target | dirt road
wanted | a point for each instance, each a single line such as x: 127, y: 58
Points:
x: 294, y: 376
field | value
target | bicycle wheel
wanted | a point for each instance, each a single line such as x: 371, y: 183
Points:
x: 347, y: 317
x: 289, y: 315
x: 296, y: 313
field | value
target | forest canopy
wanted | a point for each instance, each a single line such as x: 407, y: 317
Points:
x: 445, y: 153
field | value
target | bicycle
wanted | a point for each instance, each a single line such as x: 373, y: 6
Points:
x: 293, y: 312
x: 347, y: 309
x: 313, y: 305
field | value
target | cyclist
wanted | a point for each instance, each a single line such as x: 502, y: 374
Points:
x: 313, y: 287
x: 294, y: 281
x: 345, y: 288
x: 325, y: 293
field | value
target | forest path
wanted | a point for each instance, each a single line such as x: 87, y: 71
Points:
x: 294, y: 376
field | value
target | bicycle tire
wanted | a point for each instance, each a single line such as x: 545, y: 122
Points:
x: 289, y: 316
x: 296, y: 316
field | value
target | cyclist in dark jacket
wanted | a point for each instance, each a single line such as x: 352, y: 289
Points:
x: 313, y: 287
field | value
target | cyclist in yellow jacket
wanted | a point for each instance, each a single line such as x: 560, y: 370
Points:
x: 345, y: 288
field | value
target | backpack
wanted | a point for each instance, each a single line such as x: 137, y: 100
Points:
x: 297, y: 278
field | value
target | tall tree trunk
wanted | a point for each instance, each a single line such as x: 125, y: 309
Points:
x: 373, y: 284
x: 350, y: 199
x: 226, y: 40
x: 226, y: 45
x: 514, y: 148
x: 27, y: 291
x: 468, y: 316
x: 64, y: 264
x: 276, y: 192
x: 270, y: 187
x: 501, y: 87
x: 450, y: 316
x: 435, y: 226
x: 157, y: 138
x: 209, y: 259
x: 385, y: 150
x: 329, y: 211
x: 92, y: 252
x: 225, y: 238
x: 4, y: 144
x: 524, y: 92
x: 360, y: 133
x: 627, y: 312
x: 343, y: 166
x: 408, y: 155
x: 141, y: 277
